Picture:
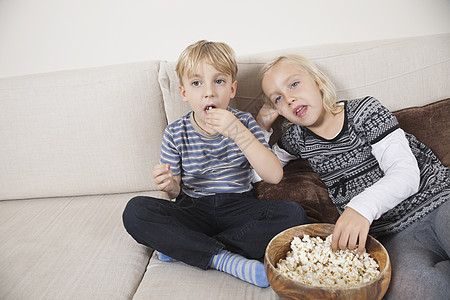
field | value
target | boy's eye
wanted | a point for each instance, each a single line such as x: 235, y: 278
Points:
x: 220, y: 81
x: 196, y: 83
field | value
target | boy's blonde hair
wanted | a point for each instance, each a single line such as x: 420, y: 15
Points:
x: 220, y: 56
x: 326, y: 87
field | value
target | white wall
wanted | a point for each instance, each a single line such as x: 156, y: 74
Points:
x: 47, y: 35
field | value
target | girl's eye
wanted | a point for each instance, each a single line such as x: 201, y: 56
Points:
x: 294, y: 84
x: 196, y: 83
x: 277, y: 99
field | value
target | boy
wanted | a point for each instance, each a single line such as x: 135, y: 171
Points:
x: 207, y: 158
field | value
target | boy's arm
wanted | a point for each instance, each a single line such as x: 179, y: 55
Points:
x: 168, y: 184
x: 265, y: 163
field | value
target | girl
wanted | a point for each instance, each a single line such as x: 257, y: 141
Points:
x: 381, y: 179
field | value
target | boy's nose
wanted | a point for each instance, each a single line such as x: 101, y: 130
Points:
x: 209, y: 90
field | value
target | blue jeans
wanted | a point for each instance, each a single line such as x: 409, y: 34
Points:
x: 420, y: 258
x: 193, y: 230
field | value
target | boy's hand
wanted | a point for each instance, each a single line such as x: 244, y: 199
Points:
x: 350, y: 228
x: 266, y: 116
x: 163, y: 177
x: 224, y: 122
x: 265, y: 163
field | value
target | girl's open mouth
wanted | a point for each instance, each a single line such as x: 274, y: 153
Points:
x: 300, y: 110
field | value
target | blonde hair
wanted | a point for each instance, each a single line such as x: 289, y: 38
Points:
x: 220, y: 56
x: 326, y: 87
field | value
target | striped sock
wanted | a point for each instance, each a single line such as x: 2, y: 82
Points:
x: 163, y: 257
x: 249, y: 270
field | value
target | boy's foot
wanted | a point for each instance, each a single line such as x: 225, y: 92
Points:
x: 163, y: 257
x: 249, y: 270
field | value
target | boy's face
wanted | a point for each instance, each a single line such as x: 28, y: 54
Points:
x: 207, y: 87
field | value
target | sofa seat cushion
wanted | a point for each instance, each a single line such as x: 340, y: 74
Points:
x: 68, y: 248
x: 429, y: 123
x: 176, y: 280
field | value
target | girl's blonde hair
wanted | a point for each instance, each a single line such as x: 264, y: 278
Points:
x: 326, y: 87
x: 220, y: 56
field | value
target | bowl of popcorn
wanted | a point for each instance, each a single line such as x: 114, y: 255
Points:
x: 300, y: 264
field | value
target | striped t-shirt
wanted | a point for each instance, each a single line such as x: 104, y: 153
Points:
x: 208, y: 164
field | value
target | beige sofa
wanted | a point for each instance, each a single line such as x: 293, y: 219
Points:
x: 76, y: 145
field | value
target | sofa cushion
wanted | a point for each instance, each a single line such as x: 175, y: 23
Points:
x: 193, y: 283
x: 68, y: 248
x: 174, y: 105
x: 302, y: 185
x: 429, y: 123
x: 80, y: 132
x: 375, y: 68
x: 357, y: 69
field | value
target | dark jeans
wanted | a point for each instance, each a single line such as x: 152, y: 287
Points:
x: 193, y: 230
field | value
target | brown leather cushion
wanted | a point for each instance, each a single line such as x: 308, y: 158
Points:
x: 429, y: 123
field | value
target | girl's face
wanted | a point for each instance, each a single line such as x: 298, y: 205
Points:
x: 295, y: 94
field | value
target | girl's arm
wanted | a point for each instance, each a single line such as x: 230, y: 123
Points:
x: 401, y: 180
x: 266, y: 116
x: 401, y: 177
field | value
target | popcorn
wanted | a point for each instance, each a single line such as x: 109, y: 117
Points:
x: 312, y: 261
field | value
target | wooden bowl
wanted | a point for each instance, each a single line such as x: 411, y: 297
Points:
x: 287, y: 288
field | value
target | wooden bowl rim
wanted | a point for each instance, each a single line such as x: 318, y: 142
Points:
x: 326, y: 289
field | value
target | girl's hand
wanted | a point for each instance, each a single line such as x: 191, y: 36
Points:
x: 163, y: 177
x: 266, y: 116
x: 350, y: 228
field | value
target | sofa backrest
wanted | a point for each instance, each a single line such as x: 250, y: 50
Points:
x: 99, y: 130
x: 401, y: 73
x: 80, y: 132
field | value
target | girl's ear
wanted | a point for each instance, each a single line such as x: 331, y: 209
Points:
x: 319, y: 84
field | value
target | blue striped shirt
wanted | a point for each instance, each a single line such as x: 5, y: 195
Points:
x: 208, y: 164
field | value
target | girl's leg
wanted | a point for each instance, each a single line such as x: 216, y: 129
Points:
x: 179, y: 230
x: 420, y: 258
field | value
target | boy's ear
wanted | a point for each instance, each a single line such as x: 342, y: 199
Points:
x: 183, y: 93
x: 233, y: 89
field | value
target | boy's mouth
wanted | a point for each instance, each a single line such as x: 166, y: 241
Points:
x: 208, y: 107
